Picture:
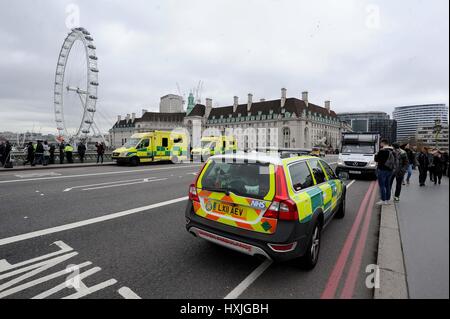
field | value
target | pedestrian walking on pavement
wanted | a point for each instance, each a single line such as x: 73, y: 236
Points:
x: 411, y: 162
x: 68, y: 150
x: 46, y: 153
x: 7, y: 155
x: 30, y: 154
x: 431, y: 164
x: 423, y: 160
x: 81, y: 151
x: 386, y: 165
x: 401, y: 167
x: 445, y: 159
x: 38, y: 154
x: 438, y: 165
x: 100, y: 151
x: 51, y: 159
x: 2, y: 153
x: 61, y: 152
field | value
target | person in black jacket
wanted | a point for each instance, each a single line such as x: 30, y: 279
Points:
x: 445, y: 159
x: 423, y: 160
x: 52, y: 149
x: 438, y: 165
x: 411, y: 162
x: 2, y: 153
x: 30, y: 154
x: 385, y: 161
x: 81, y: 151
x: 7, y: 155
x: 400, y: 170
x: 38, y: 154
x: 61, y: 152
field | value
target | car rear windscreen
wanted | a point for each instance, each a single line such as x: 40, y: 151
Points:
x: 243, y: 179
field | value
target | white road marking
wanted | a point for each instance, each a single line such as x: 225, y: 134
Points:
x: 57, y: 229
x: 107, y: 183
x: 92, y: 289
x: 127, y: 293
x: 39, y: 281
x: 64, y: 285
x: 117, y: 185
x: 236, y: 292
x: 97, y: 174
x: 37, y: 175
x: 37, y: 268
x: 64, y: 248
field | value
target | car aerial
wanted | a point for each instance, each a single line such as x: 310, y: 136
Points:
x: 265, y: 205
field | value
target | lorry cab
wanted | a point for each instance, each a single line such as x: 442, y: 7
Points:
x: 214, y: 145
x: 152, y: 147
x: 357, y: 156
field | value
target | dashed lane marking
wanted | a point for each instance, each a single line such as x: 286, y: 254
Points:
x: 126, y: 184
x: 91, y: 221
x: 97, y: 174
x: 127, y: 293
x: 110, y: 183
x: 236, y: 292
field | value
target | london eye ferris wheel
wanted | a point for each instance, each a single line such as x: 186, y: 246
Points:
x: 75, y: 87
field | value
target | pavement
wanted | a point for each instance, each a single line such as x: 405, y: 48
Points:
x: 423, y: 215
x: 53, y: 166
x: 122, y: 229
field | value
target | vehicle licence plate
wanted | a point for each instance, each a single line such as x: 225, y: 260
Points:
x: 355, y: 172
x: 226, y: 209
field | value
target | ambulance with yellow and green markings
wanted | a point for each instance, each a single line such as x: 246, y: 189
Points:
x: 269, y: 205
x: 214, y: 145
x: 152, y: 146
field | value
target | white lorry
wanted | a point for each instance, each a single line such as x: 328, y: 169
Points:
x: 357, y: 156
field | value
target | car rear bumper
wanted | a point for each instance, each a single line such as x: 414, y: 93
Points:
x: 251, y: 243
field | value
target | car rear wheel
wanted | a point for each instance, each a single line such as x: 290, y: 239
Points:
x: 341, y: 212
x: 309, y: 260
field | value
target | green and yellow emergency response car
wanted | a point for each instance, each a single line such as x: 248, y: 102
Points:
x: 265, y: 205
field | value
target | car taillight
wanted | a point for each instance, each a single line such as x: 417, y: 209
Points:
x: 193, y: 195
x: 288, y: 210
x: 282, y: 207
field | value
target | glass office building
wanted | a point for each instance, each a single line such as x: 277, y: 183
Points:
x: 376, y: 122
x: 410, y: 118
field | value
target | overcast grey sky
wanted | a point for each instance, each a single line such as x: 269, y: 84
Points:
x: 362, y: 55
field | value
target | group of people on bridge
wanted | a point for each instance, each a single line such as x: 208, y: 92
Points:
x: 396, y: 164
x: 45, y: 153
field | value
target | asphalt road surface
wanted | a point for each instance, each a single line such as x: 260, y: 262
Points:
x: 122, y: 230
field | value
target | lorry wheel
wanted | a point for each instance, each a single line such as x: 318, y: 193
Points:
x: 309, y: 260
x: 134, y: 161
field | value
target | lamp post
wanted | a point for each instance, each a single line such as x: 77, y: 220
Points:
x: 437, y: 130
